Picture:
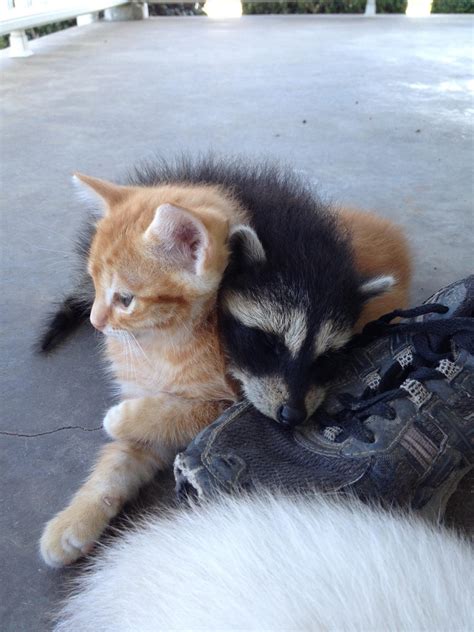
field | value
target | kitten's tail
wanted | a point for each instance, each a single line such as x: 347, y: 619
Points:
x: 71, y: 313
x: 75, y: 308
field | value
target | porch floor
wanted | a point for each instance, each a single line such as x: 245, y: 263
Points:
x: 376, y: 111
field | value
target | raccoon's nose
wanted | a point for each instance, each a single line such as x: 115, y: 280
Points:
x: 291, y: 416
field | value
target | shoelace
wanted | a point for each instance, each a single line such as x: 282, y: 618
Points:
x: 432, y: 342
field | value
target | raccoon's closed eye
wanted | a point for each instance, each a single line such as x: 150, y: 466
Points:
x: 272, y: 343
x: 326, y: 367
x: 266, y: 341
x: 123, y: 299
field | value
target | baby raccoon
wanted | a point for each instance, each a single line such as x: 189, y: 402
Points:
x: 302, y: 279
x: 296, y: 289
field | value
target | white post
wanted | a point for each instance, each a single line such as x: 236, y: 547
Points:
x: 87, y: 18
x: 370, y: 7
x: 19, y: 45
x: 418, y: 8
x: 18, y: 40
x: 134, y: 11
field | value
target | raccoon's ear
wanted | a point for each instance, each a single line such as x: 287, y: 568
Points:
x: 93, y: 191
x: 180, y: 237
x: 245, y: 247
x: 374, y: 286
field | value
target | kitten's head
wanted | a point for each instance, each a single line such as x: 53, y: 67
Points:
x: 156, y: 264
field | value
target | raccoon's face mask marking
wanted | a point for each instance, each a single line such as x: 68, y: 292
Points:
x: 330, y: 336
x: 273, y: 350
x: 282, y: 324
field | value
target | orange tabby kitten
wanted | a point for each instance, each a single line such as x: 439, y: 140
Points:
x: 157, y: 258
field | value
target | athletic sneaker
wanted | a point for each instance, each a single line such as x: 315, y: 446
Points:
x: 404, y: 438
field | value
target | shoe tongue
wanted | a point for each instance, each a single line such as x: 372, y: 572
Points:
x: 458, y: 298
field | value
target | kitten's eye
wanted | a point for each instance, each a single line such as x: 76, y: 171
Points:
x: 124, y: 299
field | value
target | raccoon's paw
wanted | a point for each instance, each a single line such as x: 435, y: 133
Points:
x: 71, y: 534
x: 114, y: 420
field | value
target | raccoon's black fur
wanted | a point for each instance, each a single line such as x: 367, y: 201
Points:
x: 307, y: 270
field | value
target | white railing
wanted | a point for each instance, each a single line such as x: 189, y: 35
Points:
x: 31, y: 13
x: 18, y: 15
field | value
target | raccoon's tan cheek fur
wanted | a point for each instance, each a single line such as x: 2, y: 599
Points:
x: 267, y: 394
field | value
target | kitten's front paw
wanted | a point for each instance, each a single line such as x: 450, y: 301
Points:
x: 113, y: 420
x: 71, y: 534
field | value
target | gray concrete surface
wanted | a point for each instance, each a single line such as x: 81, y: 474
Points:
x: 377, y: 111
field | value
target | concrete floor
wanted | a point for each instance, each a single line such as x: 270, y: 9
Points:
x: 377, y: 111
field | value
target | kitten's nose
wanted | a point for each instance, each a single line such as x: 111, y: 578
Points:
x: 290, y: 416
x: 98, y: 317
x: 98, y: 323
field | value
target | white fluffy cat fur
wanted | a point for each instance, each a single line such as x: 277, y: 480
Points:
x: 269, y: 562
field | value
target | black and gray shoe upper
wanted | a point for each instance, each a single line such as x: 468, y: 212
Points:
x: 404, y: 437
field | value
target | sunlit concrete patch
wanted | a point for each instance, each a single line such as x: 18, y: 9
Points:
x: 458, y: 86
x: 449, y: 99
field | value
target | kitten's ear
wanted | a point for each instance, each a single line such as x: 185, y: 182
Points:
x: 95, y: 190
x: 245, y: 247
x: 375, y: 286
x: 179, y: 235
